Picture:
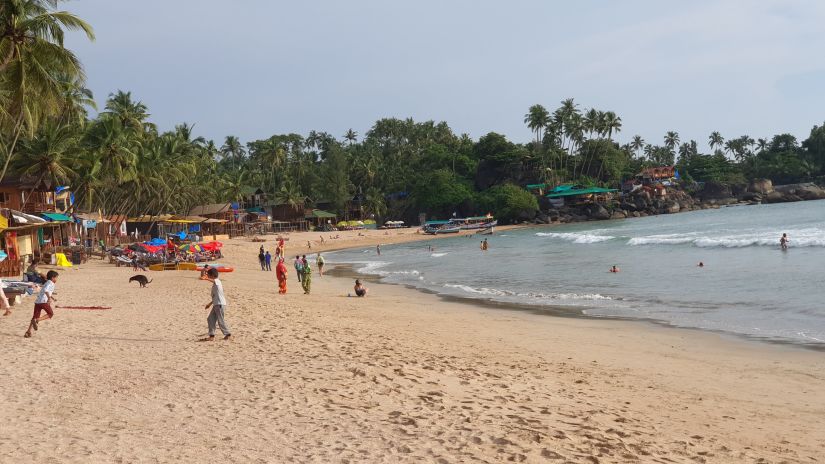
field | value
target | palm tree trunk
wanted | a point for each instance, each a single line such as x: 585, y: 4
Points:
x: 18, y: 129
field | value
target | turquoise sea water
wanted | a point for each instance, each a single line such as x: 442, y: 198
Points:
x: 748, y: 286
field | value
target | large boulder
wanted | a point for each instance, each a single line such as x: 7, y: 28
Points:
x: 542, y: 218
x: 715, y: 191
x: 763, y: 186
x: 811, y: 192
x: 627, y: 206
x: 774, y: 197
x: 618, y: 214
x: 751, y: 196
x: 599, y: 212
x: 671, y: 207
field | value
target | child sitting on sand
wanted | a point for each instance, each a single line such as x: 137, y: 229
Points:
x: 42, y: 303
x: 359, y: 288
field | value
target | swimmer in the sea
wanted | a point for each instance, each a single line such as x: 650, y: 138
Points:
x: 614, y: 269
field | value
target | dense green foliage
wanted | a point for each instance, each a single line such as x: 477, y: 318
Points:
x: 120, y: 163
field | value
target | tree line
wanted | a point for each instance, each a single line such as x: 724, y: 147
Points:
x: 118, y: 162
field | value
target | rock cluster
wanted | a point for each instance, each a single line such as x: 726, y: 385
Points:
x: 712, y: 195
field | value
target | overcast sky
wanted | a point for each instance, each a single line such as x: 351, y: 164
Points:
x: 254, y: 68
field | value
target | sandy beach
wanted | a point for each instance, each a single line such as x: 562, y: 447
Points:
x: 399, y: 376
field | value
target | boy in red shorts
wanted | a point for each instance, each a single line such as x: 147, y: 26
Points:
x: 43, y: 303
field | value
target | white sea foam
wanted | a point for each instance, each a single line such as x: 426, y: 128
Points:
x: 529, y: 295
x: 812, y: 237
x: 372, y: 267
x: 438, y: 255
x: 580, y: 238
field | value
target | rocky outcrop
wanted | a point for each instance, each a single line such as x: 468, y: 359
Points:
x: 714, y: 191
x: 795, y: 192
x: 599, y: 212
x: 760, y: 186
x: 642, y: 203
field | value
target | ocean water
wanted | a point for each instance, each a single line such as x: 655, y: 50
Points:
x: 748, y: 286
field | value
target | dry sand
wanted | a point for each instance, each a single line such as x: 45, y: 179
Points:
x: 399, y: 376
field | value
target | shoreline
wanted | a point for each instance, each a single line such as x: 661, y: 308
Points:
x: 347, y: 270
x: 398, y: 376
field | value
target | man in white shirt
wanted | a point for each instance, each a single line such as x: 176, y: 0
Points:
x: 218, y: 305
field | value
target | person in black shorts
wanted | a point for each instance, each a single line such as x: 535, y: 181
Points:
x: 359, y: 288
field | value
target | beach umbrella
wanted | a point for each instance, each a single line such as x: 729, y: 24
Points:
x: 191, y: 247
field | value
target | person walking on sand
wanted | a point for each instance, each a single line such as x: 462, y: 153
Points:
x: 783, y: 242
x: 320, y: 261
x: 299, y: 268
x: 218, y: 305
x: 268, y: 261
x: 262, y: 258
x: 281, y: 274
x: 306, y: 282
x: 43, y: 303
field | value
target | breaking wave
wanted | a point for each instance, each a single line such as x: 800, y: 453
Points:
x: 580, y: 238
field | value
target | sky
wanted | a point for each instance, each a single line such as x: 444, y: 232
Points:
x: 255, y: 68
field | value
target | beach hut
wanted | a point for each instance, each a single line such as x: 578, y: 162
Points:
x: 320, y: 217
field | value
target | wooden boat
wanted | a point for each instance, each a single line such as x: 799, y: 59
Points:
x: 471, y: 223
x: 446, y: 230
x: 487, y: 231
x: 173, y: 267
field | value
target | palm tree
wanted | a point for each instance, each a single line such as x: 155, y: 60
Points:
x: 47, y: 158
x: 762, y: 144
x: 233, y: 149
x: 32, y: 56
x: 116, y: 147
x: 591, y: 121
x: 74, y: 101
x: 637, y: 143
x: 612, y: 123
x: 290, y: 194
x: 715, y: 140
x: 132, y: 114
x: 351, y: 136
x: 537, y: 118
x: 671, y: 140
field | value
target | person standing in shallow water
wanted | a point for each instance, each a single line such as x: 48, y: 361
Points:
x: 783, y: 242
x: 320, y: 261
